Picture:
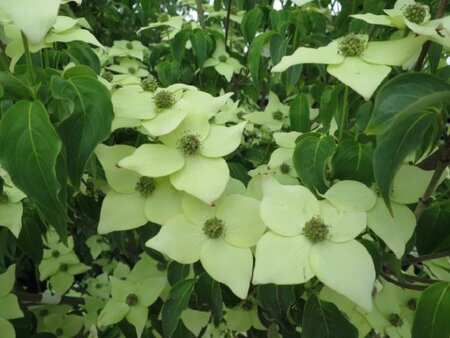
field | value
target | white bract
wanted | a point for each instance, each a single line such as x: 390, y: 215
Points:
x: 316, y: 238
x: 359, y: 64
x: 274, y: 117
x: 219, y: 236
x: 222, y: 62
x: 191, y: 155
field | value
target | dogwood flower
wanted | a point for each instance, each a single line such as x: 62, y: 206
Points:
x: 412, y: 15
x: 359, y: 64
x: 134, y: 49
x: 33, y: 17
x: 9, y: 305
x: 222, y: 62
x: 130, y: 298
x: 281, y: 158
x: 220, y: 236
x: 146, y: 198
x: 60, y: 263
x: 274, y: 117
x: 316, y: 238
x: 191, y: 155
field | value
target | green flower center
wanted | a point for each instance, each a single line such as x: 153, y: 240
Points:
x: 146, y: 186
x: 285, y: 168
x: 315, y: 230
x: 108, y: 76
x: 131, y: 299
x: 63, y: 267
x: 412, y: 303
x: 277, y: 115
x: 59, y: 332
x: 189, y: 144
x: 43, y: 313
x: 415, y: 13
x: 222, y: 58
x: 164, y: 99
x: 149, y: 84
x: 131, y: 70
x: 395, y: 320
x: 352, y: 45
x: 129, y: 45
x: 163, y: 17
x: 214, y: 227
x: 55, y: 253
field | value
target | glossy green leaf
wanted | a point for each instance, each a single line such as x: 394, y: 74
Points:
x: 278, y: 45
x: 209, y: 297
x: 276, y: 300
x: 177, y: 272
x: 169, y: 72
x: 433, y: 312
x: 250, y: 23
x: 88, y: 125
x: 30, y: 239
x: 178, y: 45
x: 312, y: 156
x: 29, y: 149
x: 15, y: 87
x: 353, y: 161
x: 405, y: 95
x: 254, y: 55
x: 324, y: 320
x: 433, y: 234
x: 328, y: 105
x: 177, y: 302
x: 299, y: 114
x: 199, y: 46
x: 82, y: 54
x: 404, y: 136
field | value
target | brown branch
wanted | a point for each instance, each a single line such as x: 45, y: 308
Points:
x: 423, y: 258
x: 402, y: 284
x: 439, y: 12
x: 200, y: 12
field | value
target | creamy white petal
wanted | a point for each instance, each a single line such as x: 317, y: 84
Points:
x: 351, y: 196
x: 204, y: 178
x: 326, y: 55
x: 163, y: 203
x: 282, y: 260
x: 121, y: 212
x: 362, y: 77
x: 229, y: 265
x: 154, y: 160
x: 243, y: 224
x: 285, y: 208
x: 179, y: 239
x: 346, y: 268
x: 394, y: 231
x: 165, y: 121
x: 133, y: 102
x: 222, y: 140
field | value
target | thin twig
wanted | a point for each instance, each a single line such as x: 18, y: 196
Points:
x: 423, y: 258
x: 227, y: 22
x: 402, y: 284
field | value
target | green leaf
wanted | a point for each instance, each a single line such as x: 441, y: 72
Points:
x: 404, y: 136
x: 299, y: 114
x: 169, y: 72
x: 29, y: 148
x: 432, y: 231
x: 280, y: 20
x: 177, y: 272
x: 254, y: 55
x: 312, y: 155
x: 278, y: 45
x: 14, y: 87
x: 404, y: 95
x: 178, y: 44
x: 177, y: 302
x: 434, y: 56
x: 324, y: 320
x: 353, y: 161
x: 239, y: 172
x: 89, y: 123
x: 209, y: 297
x: 276, y: 301
x: 80, y: 70
x: 199, y: 44
x: 30, y: 239
x: 250, y: 23
x: 82, y: 54
x: 433, y: 312
x: 328, y: 105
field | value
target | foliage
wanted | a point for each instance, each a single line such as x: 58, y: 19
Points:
x: 226, y: 168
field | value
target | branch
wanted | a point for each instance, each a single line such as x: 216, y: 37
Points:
x: 411, y: 260
x: 39, y: 298
x: 200, y: 12
x: 439, y: 12
x: 402, y: 284
x: 227, y: 22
